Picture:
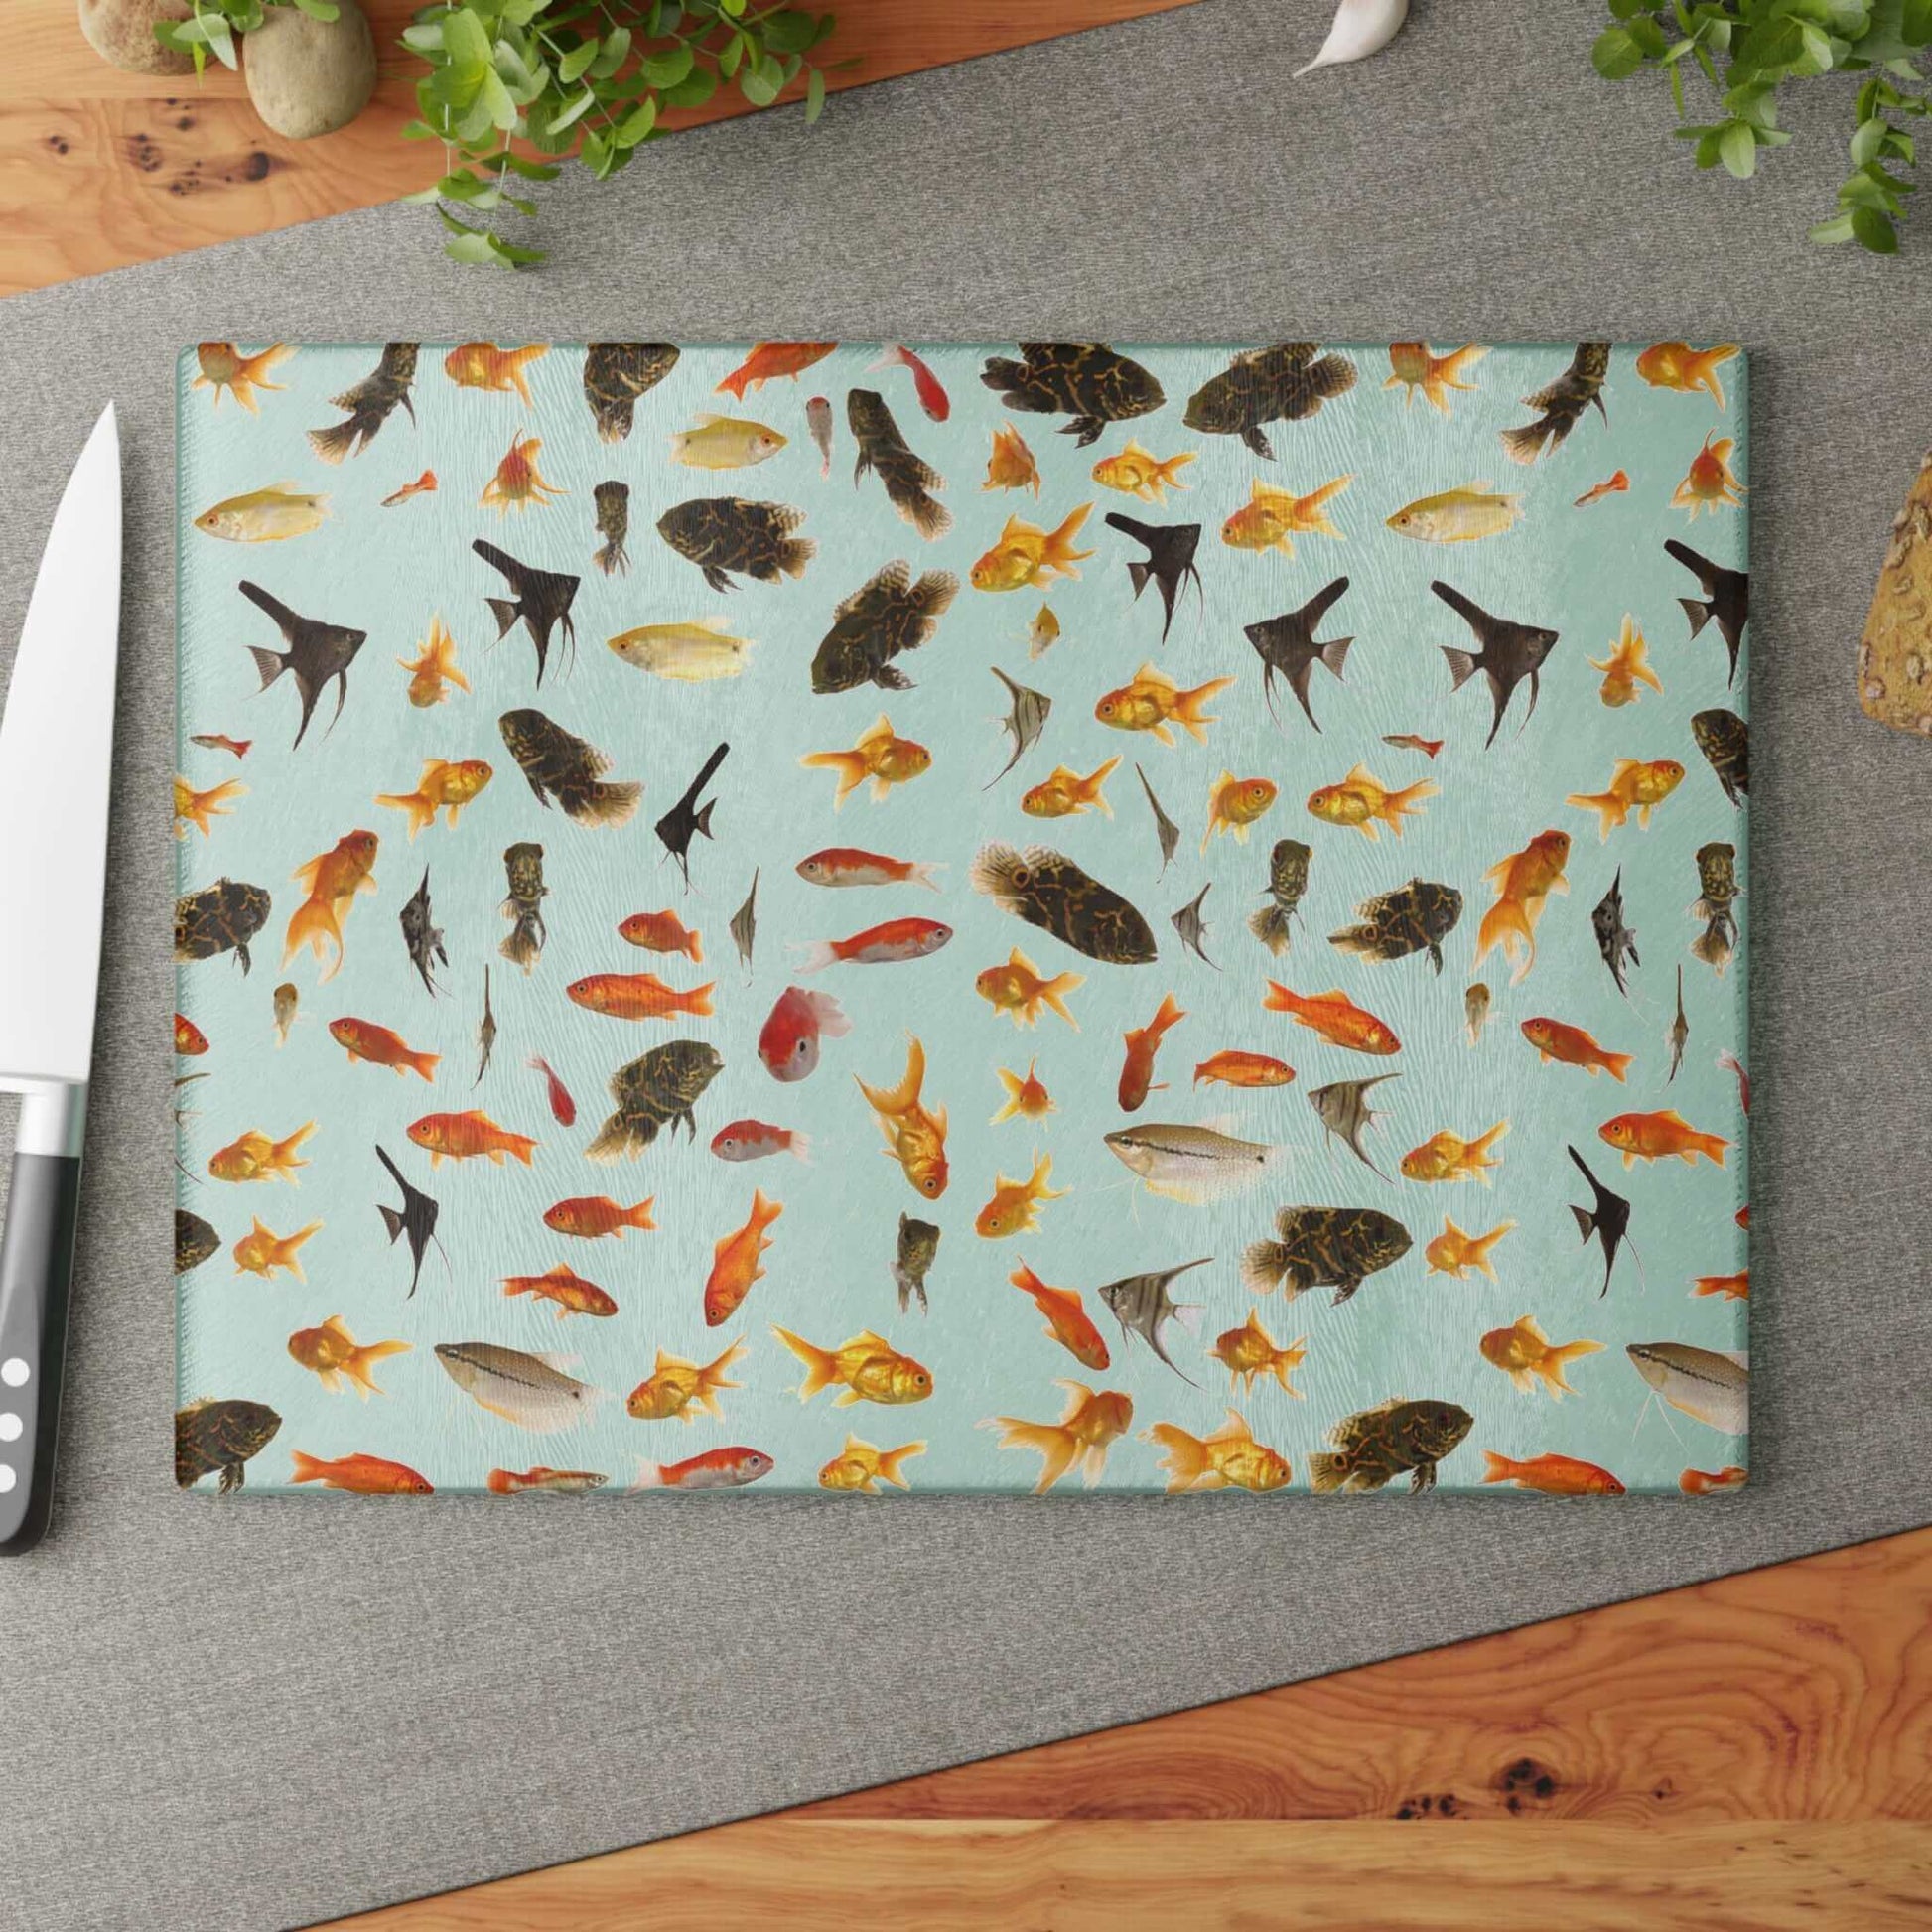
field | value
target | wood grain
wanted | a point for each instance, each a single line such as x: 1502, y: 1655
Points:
x: 99, y: 169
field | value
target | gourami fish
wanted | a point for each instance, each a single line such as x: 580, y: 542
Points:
x: 1025, y: 1099
x: 445, y: 786
x: 1447, y: 1156
x: 768, y: 362
x: 737, y: 1261
x: 1336, y: 1016
x: 223, y: 366
x: 1705, y: 1482
x: 1556, y: 1040
x: 1063, y: 793
x: 420, y: 487
x: 880, y: 755
x: 1710, y: 484
x: 1733, y: 1288
x: 1659, y: 1136
x: 1135, y: 472
x: 684, y: 654
x: 1523, y: 883
x: 758, y: 1140
x: 363, y: 1039
x: 1677, y: 366
x: 926, y: 387
x: 433, y: 667
x: 1415, y: 366
x: 1231, y: 1458
x: 1093, y: 1419
x: 559, y: 1482
x: 1628, y: 666
x: 196, y: 808
x: 1232, y: 1067
x: 788, y: 1042
x: 590, y: 1215
x: 1636, y: 784
x: 915, y: 1137
x: 360, y: 1476
x: 1708, y: 1385
x: 1234, y: 804
x: 563, y: 1109
x: 572, y: 1293
x: 859, y: 1466
x: 1454, y: 1252
x: 663, y: 932
x: 1611, y: 485
x: 892, y: 943
x: 1067, y: 1321
x: 269, y: 516
x: 531, y: 1391
x: 637, y: 995
x: 675, y: 1387
x: 518, y: 483
x: 255, y: 1155
x: 1154, y: 701
x: 1551, y: 1475
x: 1024, y: 555
x: 1012, y: 1207
x: 718, y: 1468
x: 334, y: 1356
x: 1017, y: 990
x: 482, y: 366
x: 261, y: 1251
x: 1142, y: 1044
x: 1465, y: 515
x: 221, y: 742
x: 1360, y: 799
x: 331, y: 880
x: 1012, y: 465
x: 724, y: 443
x: 867, y: 1368
x: 461, y: 1137
x: 1528, y: 1356
x: 1189, y: 1164
x: 1249, y: 1352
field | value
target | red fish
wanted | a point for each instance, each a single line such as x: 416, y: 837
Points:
x: 1701, y: 1482
x: 1609, y: 487
x: 1733, y: 1288
x: 563, y: 1482
x: 788, y: 1040
x: 719, y: 1468
x: 188, y: 1038
x: 562, y: 1106
x: 925, y: 386
x: 1731, y: 1064
x: 590, y: 1215
x: 847, y: 865
x: 361, y: 1475
x: 770, y: 360
x: 753, y: 1140
x: 878, y: 945
x: 1067, y: 1321
x: 218, y: 742
x: 1137, y: 1069
x: 1551, y: 1475
x: 1408, y: 742
x: 572, y: 1293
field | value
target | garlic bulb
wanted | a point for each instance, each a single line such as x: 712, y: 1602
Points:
x: 1361, y: 28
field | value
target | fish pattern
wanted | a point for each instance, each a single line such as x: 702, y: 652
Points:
x: 871, y: 955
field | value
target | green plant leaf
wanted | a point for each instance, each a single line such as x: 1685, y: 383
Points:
x: 1830, y: 233
x: 635, y: 125
x: 617, y: 50
x: 1875, y: 230
x: 668, y: 66
x: 320, y: 9
x: 1615, y: 55
x: 814, y: 96
x: 572, y: 66
x: 1738, y: 150
x: 790, y: 31
x: 693, y: 90
x: 574, y: 114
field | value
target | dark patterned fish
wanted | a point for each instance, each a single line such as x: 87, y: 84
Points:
x: 1725, y: 740
x: 612, y: 501
x: 1168, y: 565
x: 1047, y: 890
x: 563, y: 767
x: 1192, y: 928
x: 1084, y: 380
x: 370, y: 404
x: 723, y: 534
x: 655, y: 1091
x: 918, y: 1247
x: 318, y: 653
x: 910, y: 481
x: 1025, y: 718
x: 1324, y: 1247
x: 684, y: 821
x: 414, y: 1222
x: 889, y: 615
x: 1614, y: 940
x: 1717, y: 893
x: 422, y: 939
x: 1164, y: 829
x: 1377, y: 1445
x: 1282, y: 383
x: 542, y: 600
x: 1141, y: 1304
x: 1510, y: 652
x: 1343, y: 1110
x: 616, y: 374
x: 1414, y: 917
x: 1680, y: 1032
x: 524, y: 904
x: 1606, y: 1220
x: 1286, y: 646
x: 485, y: 1034
x: 1287, y: 880
x: 195, y: 1241
x: 744, y: 926
x: 1562, y: 403
x: 1727, y: 599
x: 220, y: 919
x: 220, y: 1435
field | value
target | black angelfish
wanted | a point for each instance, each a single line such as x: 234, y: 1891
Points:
x: 317, y: 653
x: 1282, y: 383
x: 1614, y: 940
x: 370, y: 404
x: 684, y: 821
x: 1727, y: 599
x: 414, y: 1221
x: 542, y: 600
x: 1168, y: 562
x: 1607, y: 1221
x: 888, y: 615
x: 1084, y: 380
x: 909, y: 479
x: 1510, y: 652
x: 1561, y: 404
x: 558, y: 764
x: 1286, y: 646
x: 422, y: 939
x: 616, y: 374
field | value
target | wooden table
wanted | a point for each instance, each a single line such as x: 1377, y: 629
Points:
x: 1744, y: 1756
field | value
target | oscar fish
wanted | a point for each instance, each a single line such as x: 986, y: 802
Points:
x: 1375, y: 1446
x: 655, y: 1091
x: 886, y: 616
x: 1561, y: 404
x: 1286, y: 383
x: 727, y: 535
x: 370, y: 404
x: 1287, y: 880
x: 909, y: 482
x: 616, y: 375
x: 612, y: 501
x: 1416, y: 917
x: 1084, y: 381
x: 1047, y: 890
x: 1725, y: 740
x: 561, y: 767
x: 220, y: 1438
x: 1324, y: 1247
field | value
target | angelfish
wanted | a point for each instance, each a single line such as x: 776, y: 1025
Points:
x: 1343, y: 1110
x: 1141, y: 1304
x: 1192, y: 928
x: 684, y: 821
x: 744, y: 925
x: 1286, y: 646
x: 1727, y: 599
x: 1164, y: 829
x: 1607, y: 1221
x: 1025, y: 718
x: 1614, y: 940
x: 542, y: 600
x: 1168, y: 562
x: 415, y: 1219
x: 1510, y: 652
x: 318, y: 653
x: 422, y: 939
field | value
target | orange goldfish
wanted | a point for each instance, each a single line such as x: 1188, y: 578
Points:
x: 223, y: 366
x: 1710, y: 484
x: 482, y: 366
x: 1093, y: 1421
x: 1523, y: 881
x: 1231, y: 1458
x: 1010, y: 1209
x: 716, y: 1468
x: 363, y: 1039
x: 1249, y: 1352
x: 1235, y: 1068
x: 1677, y: 366
x: 737, y: 1261
x: 517, y: 483
x: 1733, y: 1288
x: 188, y: 1038
x: 1454, y: 1252
x: 1016, y: 990
x: 361, y: 1475
x: 590, y: 1215
x: 1067, y: 1321
x: 1445, y: 1155
x: 331, y: 880
x: 1636, y: 784
x: 1336, y: 1016
x: 915, y: 1138
x: 683, y: 1389
x: 1271, y: 517
x: 1064, y: 792
x: 861, y: 1465
x: 1611, y: 485
x: 1413, y: 365
x: 1361, y: 798
x: 637, y: 995
x: 253, y: 1155
x: 461, y: 1137
x: 770, y: 360
x: 560, y: 1482
x: 443, y: 785
x: 572, y: 1293
x: 1153, y: 702
x: 196, y: 808
x: 333, y: 1354
x: 1233, y: 804
x: 663, y: 932
x: 1701, y: 1482
x: 1135, y: 472
x: 1027, y: 555
x: 1551, y: 1475
x: 1142, y: 1044
x: 1025, y: 1099
x: 1658, y: 1136
x: 433, y: 666
x: 866, y: 1367
x: 885, y: 759
x: 1556, y: 1040
x: 1527, y: 1356
x: 261, y: 1252
x: 420, y: 487
x: 1012, y: 465
x: 1626, y: 667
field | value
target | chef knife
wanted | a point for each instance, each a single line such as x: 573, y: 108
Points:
x: 57, y: 742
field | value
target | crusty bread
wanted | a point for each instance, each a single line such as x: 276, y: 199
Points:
x: 1896, y: 654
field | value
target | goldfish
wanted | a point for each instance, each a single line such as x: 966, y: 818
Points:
x: 926, y: 387
x: 1135, y: 472
x: 261, y: 1252
x: 221, y: 742
x: 1611, y: 485
x: 1027, y: 555
x: 717, y: 1468
x: 1658, y: 1136
x: 1063, y: 792
x: 1556, y: 1040
x: 839, y: 866
x: 561, y: 1483
x: 1025, y: 1099
x: 188, y: 1038
x: 637, y: 995
x: 223, y: 366
x: 443, y: 785
x: 1012, y: 465
x: 1465, y: 515
x: 1733, y: 1288
x: 724, y: 443
x: 758, y: 1140
x: 1016, y: 990
x: 285, y: 999
x: 1336, y: 1016
x: 332, y: 1354
x: 1701, y: 1482
x: 255, y: 1155
x: 1677, y: 366
x: 1043, y: 633
x: 867, y: 1368
x: 879, y: 754
x: 1093, y: 1419
x: 737, y: 1261
x: 894, y: 942
x: 1231, y: 1458
x: 591, y: 1215
x: 1271, y: 517
x: 1626, y: 667
x: 1233, y: 804
x: 1142, y: 1044
x: 1011, y: 1210
x: 1361, y: 798
x: 1453, y: 1252
x: 1235, y: 1068
x: 914, y: 1137
x: 361, y: 1475
x: 331, y: 880
x: 563, y: 1109
x: 420, y: 487
x: 1067, y: 1321
x: 1249, y: 1352
x: 1415, y: 366
x: 663, y: 932
x: 1151, y: 701
x: 1744, y: 1218
x: 1528, y: 1356
x: 768, y: 362
x: 789, y: 1040
x: 1551, y: 1475
x: 518, y: 483
x: 1445, y: 1155
x: 363, y: 1039
x: 572, y: 1293
x: 1636, y: 784
x: 461, y: 1137
x: 1523, y: 881
x: 433, y: 667
x: 482, y: 366
x: 859, y: 1465
x: 1710, y: 484
x: 196, y: 808
x: 271, y: 515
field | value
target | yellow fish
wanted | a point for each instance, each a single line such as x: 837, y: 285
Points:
x: 675, y: 1387
x: 261, y: 1251
x: 1012, y: 465
x: 255, y: 1155
x: 1011, y: 1210
x: 1270, y: 515
x: 1445, y: 1155
x: 914, y: 1137
x: 1025, y: 1099
x: 1016, y: 990
x: 1458, y: 515
x: 1135, y: 472
x: 433, y: 667
x: 265, y: 515
x: 1233, y: 804
x: 1523, y: 881
x: 1677, y: 366
x: 1636, y: 784
x: 223, y: 366
x: 859, y: 1465
x: 1708, y: 484
x: 196, y: 808
x: 686, y: 653
x: 879, y: 755
x: 1043, y: 633
x: 1063, y: 792
x: 1525, y: 1354
x: 333, y: 1353
x: 443, y: 785
x: 1453, y: 1252
x: 1231, y: 1458
x: 1154, y: 701
x: 1361, y: 798
x: 1026, y: 555
x: 482, y: 366
x: 866, y: 1367
x: 1413, y: 365
x: 1249, y: 1352
x: 1628, y: 666
x: 724, y: 443
x: 1093, y: 1421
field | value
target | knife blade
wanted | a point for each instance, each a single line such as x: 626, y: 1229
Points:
x: 57, y: 741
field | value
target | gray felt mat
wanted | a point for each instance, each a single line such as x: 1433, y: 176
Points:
x: 248, y: 1715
